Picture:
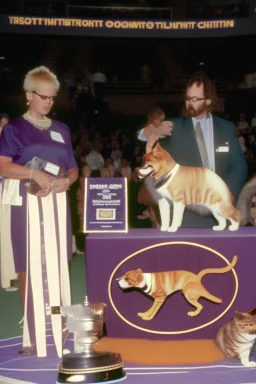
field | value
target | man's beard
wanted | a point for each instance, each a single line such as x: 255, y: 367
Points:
x: 196, y: 112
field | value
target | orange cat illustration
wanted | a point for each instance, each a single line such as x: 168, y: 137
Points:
x: 159, y: 285
x: 187, y: 186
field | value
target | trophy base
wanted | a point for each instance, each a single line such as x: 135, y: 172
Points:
x: 100, y: 367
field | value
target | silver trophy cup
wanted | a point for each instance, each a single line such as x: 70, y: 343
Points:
x: 86, y: 365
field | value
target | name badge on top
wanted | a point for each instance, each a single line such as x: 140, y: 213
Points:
x: 222, y: 149
x: 56, y: 136
x: 105, y: 205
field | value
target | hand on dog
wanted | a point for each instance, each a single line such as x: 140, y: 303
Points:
x: 165, y: 129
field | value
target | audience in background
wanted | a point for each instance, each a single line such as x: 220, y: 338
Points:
x: 94, y: 159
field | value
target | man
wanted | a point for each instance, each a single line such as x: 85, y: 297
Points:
x: 99, y: 81
x: 222, y: 152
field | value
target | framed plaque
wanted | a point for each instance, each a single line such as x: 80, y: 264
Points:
x: 105, y: 205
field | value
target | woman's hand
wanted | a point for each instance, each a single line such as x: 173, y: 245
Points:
x: 43, y: 192
x: 42, y: 179
x: 60, y: 185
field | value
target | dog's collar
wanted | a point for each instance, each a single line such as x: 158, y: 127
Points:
x: 147, y: 283
x: 163, y: 179
x: 145, y: 288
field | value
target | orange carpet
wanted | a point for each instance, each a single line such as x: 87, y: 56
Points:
x: 154, y: 352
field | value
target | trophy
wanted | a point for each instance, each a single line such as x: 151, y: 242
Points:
x: 86, y: 365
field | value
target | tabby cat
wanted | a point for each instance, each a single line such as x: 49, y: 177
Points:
x: 246, y: 201
x: 237, y: 337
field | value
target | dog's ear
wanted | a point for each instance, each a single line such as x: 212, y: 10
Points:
x: 152, y: 140
x: 157, y: 151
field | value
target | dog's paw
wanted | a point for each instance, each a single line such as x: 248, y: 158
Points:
x: 249, y: 364
x: 193, y: 313
x: 144, y: 316
x: 164, y: 228
x: 172, y: 229
x: 218, y: 228
x: 233, y: 227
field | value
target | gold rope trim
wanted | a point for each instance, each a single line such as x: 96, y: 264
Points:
x: 91, y: 370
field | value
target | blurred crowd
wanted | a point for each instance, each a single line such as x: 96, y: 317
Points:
x: 246, y: 132
x: 218, y: 9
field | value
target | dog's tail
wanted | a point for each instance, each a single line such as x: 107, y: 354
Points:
x: 218, y: 270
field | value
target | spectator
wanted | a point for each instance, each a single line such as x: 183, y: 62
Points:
x: 125, y: 168
x: 94, y: 159
x: 116, y: 154
x: 242, y: 125
x: 4, y: 119
x: 99, y: 81
x: 82, y: 148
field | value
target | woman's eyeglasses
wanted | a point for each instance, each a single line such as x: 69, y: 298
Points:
x: 43, y: 97
x: 194, y: 98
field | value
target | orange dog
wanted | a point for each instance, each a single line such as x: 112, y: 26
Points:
x: 187, y: 186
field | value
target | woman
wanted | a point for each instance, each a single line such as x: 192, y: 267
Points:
x: 40, y: 225
x: 8, y: 285
x: 4, y: 119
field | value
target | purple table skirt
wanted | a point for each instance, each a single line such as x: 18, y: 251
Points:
x: 109, y: 256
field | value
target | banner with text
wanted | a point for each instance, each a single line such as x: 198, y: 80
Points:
x: 126, y: 28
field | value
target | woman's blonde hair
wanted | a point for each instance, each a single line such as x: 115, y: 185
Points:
x: 39, y: 75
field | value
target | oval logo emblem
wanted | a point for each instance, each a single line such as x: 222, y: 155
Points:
x: 173, y: 287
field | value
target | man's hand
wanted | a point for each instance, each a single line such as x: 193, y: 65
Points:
x: 165, y: 129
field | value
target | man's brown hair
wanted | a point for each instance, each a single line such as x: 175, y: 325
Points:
x: 155, y: 113
x: 209, y: 88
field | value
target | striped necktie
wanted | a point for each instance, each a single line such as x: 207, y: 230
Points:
x: 201, y: 145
